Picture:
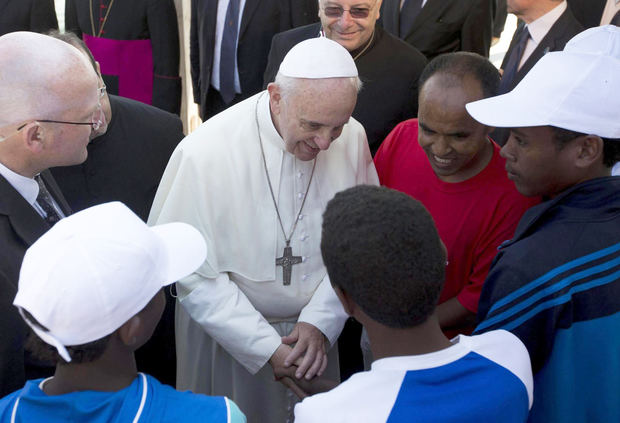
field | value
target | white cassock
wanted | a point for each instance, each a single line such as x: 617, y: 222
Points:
x: 235, y: 306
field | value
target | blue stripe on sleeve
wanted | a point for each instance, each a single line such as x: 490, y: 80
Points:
x: 553, y: 273
x: 558, y: 286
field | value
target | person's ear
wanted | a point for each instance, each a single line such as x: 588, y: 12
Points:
x: 378, y: 4
x: 129, y: 332
x: 275, y: 98
x: 98, y: 67
x: 347, y: 302
x: 33, y: 136
x: 589, y: 151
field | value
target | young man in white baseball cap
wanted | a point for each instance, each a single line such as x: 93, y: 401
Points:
x: 91, y: 290
x: 556, y: 284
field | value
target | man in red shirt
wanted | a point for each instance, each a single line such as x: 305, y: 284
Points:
x: 446, y: 160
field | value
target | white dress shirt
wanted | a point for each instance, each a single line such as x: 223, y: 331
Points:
x: 539, y: 28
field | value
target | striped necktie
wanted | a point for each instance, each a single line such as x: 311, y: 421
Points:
x: 45, y: 200
x: 228, y: 52
x: 513, y: 62
x: 410, y: 10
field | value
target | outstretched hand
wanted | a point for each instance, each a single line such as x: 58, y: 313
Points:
x: 309, y: 348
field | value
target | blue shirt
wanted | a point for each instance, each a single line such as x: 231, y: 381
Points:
x: 161, y: 404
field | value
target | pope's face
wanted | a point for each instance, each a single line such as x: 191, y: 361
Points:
x: 350, y: 32
x: 312, y: 114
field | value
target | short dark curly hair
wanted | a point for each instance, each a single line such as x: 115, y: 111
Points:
x: 382, y: 248
x: 84, y: 353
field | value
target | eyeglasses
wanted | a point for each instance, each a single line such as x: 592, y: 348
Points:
x: 95, y: 123
x: 96, y: 120
x: 355, y: 12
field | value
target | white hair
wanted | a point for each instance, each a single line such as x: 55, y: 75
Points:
x: 36, y: 71
x: 289, y: 85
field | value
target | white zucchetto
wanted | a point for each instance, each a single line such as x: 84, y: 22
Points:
x: 318, y: 58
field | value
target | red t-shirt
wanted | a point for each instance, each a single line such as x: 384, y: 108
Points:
x: 473, y: 217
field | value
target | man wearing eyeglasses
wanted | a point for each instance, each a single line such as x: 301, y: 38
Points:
x: 126, y: 160
x: 388, y: 67
x: 50, y: 108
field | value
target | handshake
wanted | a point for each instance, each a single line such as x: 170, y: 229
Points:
x: 300, y: 367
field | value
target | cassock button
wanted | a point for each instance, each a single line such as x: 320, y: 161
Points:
x: 304, y: 277
x: 300, y: 195
x: 299, y: 175
x: 301, y: 217
x: 304, y: 237
x: 303, y: 259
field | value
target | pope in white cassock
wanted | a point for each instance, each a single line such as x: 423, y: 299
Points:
x: 255, y: 180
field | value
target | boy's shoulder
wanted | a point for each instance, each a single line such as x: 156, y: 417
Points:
x: 168, y: 404
x: 405, y: 385
x: 504, y: 349
x: 365, y: 396
x: 8, y: 403
x: 162, y: 403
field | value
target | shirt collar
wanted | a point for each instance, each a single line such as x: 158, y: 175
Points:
x: 461, y: 346
x: 541, y: 26
x: 27, y: 187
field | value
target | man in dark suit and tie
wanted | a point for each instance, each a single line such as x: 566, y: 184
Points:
x: 546, y: 26
x: 229, y: 44
x: 441, y: 26
x: 50, y: 106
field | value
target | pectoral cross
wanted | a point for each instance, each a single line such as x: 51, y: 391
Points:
x: 287, y: 261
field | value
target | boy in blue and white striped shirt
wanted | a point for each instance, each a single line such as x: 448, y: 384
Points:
x: 386, y: 263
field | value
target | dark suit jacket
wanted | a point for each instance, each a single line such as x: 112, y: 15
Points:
x: 20, y: 227
x: 260, y: 21
x: 445, y: 26
x: 27, y: 15
x: 565, y: 28
x: 389, y: 70
x: 588, y: 12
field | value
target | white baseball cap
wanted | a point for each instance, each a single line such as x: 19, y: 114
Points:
x: 576, y: 89
x: 94, y: 270
x: 318, y: 58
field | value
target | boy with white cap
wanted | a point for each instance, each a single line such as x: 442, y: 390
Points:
x: 556, y: 284
x: 91, y: 289
x: 254, y: 180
